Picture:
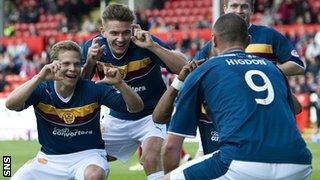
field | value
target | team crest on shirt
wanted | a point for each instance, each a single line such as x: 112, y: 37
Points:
x: 68, y: 117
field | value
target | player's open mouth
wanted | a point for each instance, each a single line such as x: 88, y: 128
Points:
x: 120, y: 45
x: 71, y: 76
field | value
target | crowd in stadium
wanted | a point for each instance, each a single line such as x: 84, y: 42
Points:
x: 26, y: 18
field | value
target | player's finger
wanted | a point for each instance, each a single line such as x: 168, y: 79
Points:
x: 137, y: 34
x: 95, y: 41
x: 112, y: 72
x: 99, y: 66
x: 193, y: 65
x: 102, y: 47
x: 135, y: 26
x: 201, y: 61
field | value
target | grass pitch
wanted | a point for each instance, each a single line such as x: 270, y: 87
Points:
x: 22, y: 151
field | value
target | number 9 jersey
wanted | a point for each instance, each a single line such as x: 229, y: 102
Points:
x: 249, y: 99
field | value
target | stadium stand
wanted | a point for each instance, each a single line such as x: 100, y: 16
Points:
x: 183, y: 24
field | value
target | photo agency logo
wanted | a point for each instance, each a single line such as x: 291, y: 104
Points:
x: 6, y: 166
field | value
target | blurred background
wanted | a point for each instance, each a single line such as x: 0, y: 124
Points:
x: 28, y: 29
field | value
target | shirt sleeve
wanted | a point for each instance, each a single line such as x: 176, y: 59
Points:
x: 184, y: 121
x: 203, y: 52
x: 284, y: 51
x: 154, y: 56
x: 111, y: 98
x: 34, y: 98
x: 85, y: 49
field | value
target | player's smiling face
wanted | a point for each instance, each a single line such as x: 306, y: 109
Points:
x: 70, y: 67
x: 240, y: 7
x: 118, y: 35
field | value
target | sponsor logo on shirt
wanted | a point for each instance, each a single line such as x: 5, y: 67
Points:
x: 214, y: 136
x: 66, y: 132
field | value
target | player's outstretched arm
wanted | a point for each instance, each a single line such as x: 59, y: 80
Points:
x: 113, y: 77
x: 171, y: 152
x: 163, y: 111
x: 291, y: 69
x: 174, y: 60
x: 17, y: 98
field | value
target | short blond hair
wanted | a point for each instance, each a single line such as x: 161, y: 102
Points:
x: 67, y: 45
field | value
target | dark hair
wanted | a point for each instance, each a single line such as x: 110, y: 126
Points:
x: 231, y: 28
x: 63, y: 46
x: 117, y: 12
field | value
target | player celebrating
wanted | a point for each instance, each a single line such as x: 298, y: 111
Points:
x: 139, y: 56
x: 265, y: 42
x: 68, y: 110
x: 249, y: 100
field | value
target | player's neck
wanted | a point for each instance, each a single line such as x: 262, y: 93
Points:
x: 231, y: 49
x: 62, y: 90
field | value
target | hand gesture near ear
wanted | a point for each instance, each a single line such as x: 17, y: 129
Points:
x: 142, y: 38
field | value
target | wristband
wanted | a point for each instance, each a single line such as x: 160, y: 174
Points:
x: 177, y: 84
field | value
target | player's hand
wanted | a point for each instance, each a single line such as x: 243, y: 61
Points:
x: 187, y: 69
x: 51, y: 72
x: 135, y: 26
x: 142, y: 38
x: 95, y: 51
x: 112, y: 74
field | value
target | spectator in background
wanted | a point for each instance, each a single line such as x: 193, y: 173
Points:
x: 313, y: 50
x: 286, y: 11
x: 3, y: 82
x: 158, y: 4
x: 186, y: 41
x: 5, y: 63
x: 88, y: 26
x: 142, y: 20
x: 8, y: 30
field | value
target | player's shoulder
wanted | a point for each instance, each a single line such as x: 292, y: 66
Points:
x: 203, y: 52
x: 263, y: 29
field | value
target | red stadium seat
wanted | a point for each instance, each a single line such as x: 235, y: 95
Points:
x: 155, y: 13
x: 167, y: 5
x: 42, y: 18
x: 148, y: 13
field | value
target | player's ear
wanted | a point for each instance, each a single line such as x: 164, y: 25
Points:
x: 214, y: 41
x: 248, y: 39
x: 102, y: 31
